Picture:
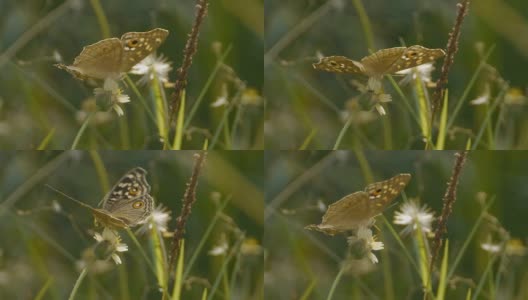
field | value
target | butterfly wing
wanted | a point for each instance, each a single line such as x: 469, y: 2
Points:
x: 130, y: 198
x: 379, y: 63
x: 338, y: 64
x: 98, y: 60
x: 138, y: 45
x: 133, y: 211
x: 414, y: 56
x: 346, y: 213
x: 380, y: 194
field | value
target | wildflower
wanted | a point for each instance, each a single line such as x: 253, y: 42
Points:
x: 116, y: 259
x: 414, y: 216
x: 115, y: 94
x: 515, y: 96
x: 114, y: 241
x: 374, y: 84
x: 152, y: 66
x: 220, y: 101
x: 250, y: 246
x: 89, y: 107
x: 490, y: 247
x: 353, y: 111
x: 422, y: 71
x: 221, y: 248
x: 91, y: 263
x: 380, y: 109
x: 364, y: 243
x: 515, y: 247
x: 251, y: 96
x: 161, y: 215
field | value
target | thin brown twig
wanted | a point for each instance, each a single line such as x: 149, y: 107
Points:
x: 191, y: 46
x: 451, y: 50
x: 448, y: 200
x: 189, y: 198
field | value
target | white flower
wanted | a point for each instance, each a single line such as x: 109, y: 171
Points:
x: 414, y: 216
x: 422, y: 71
x: 380, y: 109
x: 220, y: 101
x: 114, y: 93
x: 384, y: 98
x: 367, y: 242
x: 116, y: 258
x: 483, y: 99
x: 490, y: 247
x: 374, y: 84
x: 121, y: 247
x: 152, y: 66
x: 219, y: 249
x: 161, y: 216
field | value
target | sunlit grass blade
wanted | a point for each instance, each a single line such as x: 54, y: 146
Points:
x: 178, y: 282
x: 442, y: 127
x: 160, y: 103
x: 178, y: 134
x: 308, y: 139
x: 442, y: 283
x: 81, y: 131
x: 46, y: 140
x: 78, y: 282
x: 468, y: 88
x: 205, y: 88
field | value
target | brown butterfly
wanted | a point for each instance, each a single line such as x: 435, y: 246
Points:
x: 113, y: 56
x: 127, y: 204
x: 382, y: 62
x: 358, y: 208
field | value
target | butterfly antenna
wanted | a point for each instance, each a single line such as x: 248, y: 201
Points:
x: 71, y: 198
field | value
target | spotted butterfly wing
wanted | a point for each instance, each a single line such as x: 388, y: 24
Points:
x: 138, y: 45
x: 338, y: 64
x: 128, y: 203
x: 99, y: 60
x: 379, y: 62
x: 382, y: 193
x: 414, y: 56
x: 358, y: 208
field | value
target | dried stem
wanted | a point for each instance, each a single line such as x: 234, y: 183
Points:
x: 451, y: 50
x: 448, y: 200
x: 189, y: 198
x: 191, y: 46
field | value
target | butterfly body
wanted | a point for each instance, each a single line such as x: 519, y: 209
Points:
x: 382, y: 62
x: 356, y: 209
x: 111, y: 57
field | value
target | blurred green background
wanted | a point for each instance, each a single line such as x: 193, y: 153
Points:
x: 302, y: 262
x: 310, y: 105
x: 36, y: 97
x: 41, y: 245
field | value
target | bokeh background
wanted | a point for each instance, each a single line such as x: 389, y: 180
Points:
x: 44, y: 234
x: 37, y: 98
x: 303, y: 264
x: 308, y: 108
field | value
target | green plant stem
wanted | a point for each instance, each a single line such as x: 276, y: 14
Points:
x: 204, y: 90
x: 81, y: 131
x: 101, y: 18
x: 77, y: 284
x: 342, y: 133
x: 335, y: 283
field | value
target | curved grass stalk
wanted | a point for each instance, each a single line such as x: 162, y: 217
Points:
x: 81, y: 131
x: 78, y: 282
